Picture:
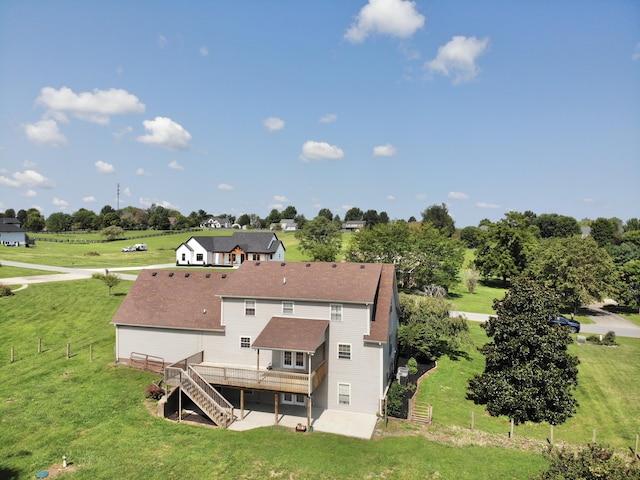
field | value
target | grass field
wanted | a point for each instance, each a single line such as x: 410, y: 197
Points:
x: 608, y: 392
x: 95, y: 413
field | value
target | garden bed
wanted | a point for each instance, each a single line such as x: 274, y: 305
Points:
x: 410, y: 384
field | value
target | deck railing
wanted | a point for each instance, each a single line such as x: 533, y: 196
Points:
x: 272, y: 380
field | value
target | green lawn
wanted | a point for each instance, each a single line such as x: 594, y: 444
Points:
x: 608, y: 392
x: 96, y: 414
x: 9, y: 272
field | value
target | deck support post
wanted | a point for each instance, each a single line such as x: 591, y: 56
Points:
x: 308, y: 413
x: 241, y: 403
x: 277, y: 399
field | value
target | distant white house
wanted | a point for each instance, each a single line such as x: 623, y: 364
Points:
x: 285, y: 225
x: 11, y: 233
x: 230, y: 251
x: 216, y: 222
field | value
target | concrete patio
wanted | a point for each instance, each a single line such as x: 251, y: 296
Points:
x: 358, y: 425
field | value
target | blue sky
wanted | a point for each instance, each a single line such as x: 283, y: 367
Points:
x: 241, y: 107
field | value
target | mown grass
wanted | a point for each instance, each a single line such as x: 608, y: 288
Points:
x: 609, y: 386
x: 9, y: 272
x: 95, y: 413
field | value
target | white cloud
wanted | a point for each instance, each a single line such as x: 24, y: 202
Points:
x: 387, y: 150
x: 33, y: 179
x: 59, y: 202
x: 589, y: 200
x: 458, y: 196
x: 175, y: 166
x: 320, y: 151
x: 164, y: 132
x: 89, y: 199
x: 458, y: 58
x: 96, y: 106
x: 328, y: 118
x: 28, y: 164
x: 225, y: 186
x: 45, y: 132
x: 391, y: 197
x: 127, y: 191
x: 104, y: 167
x: 162, y: 41
x: 398, y: 18
x: 487, y: 205
x: 280, y: 198
x: 30, y: 193
x: 421, y: 196
x: 204, y: 51
x: 273, y: 124
x: 636, y: 53
x: 122, y: 132
x: 147, y: 202
x: 141, y: 172
x: 7, y: 182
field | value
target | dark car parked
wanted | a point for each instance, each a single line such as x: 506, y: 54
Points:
x: 574, y: 325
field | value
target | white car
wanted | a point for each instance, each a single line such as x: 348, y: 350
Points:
x: 129, y: 249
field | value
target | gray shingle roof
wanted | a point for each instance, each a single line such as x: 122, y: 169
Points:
x: 259, y: 242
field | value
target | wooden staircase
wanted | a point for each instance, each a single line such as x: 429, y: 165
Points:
x: 421, y: 414
x: 207, y: 398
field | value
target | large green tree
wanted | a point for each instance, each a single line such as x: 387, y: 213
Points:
x: 529, y: 374
x: 421, y: 254
x: 426, y: 330
x: 577, y: 269
x: 320, y: 239
x: 506, y: 247
x: 59, y: 222
x: 554, y: 225
x: 438, y: 216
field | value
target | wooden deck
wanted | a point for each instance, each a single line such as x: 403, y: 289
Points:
x: 269, y: 380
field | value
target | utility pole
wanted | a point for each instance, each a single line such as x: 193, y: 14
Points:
x: 118, y: 196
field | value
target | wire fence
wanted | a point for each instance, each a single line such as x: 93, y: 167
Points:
x: 87, y: 348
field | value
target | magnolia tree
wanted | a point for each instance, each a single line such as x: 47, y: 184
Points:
x: 529, y: 374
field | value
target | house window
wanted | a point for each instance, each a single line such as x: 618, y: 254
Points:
x: 344, y: 394
x: 292, y: 359
x: 336, y: 312
x: 184, y: 257
x: 344, y: 351
x: 287, y: 308
x: 199, y: 257
x: 293, y: 399
x: 250, y: 307
x: 245, y: 342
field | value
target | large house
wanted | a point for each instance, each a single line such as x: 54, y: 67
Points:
x: 11, y: 233
x: 230, y: 251
x: 319, y: 335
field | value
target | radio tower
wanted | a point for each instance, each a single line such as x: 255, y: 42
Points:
x: 118, y: 196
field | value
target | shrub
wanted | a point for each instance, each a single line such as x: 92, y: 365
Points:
x: 593, y: 339
x: 5, y: 291
x: 592, y: 462
x: 412, y: 365
x: 471, y: 279
x: 92, y: 254
x: 154, y: 391
x: 609, y: 338
x: 395, y: 399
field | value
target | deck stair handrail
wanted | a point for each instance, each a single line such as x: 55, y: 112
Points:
x: 207, y: 398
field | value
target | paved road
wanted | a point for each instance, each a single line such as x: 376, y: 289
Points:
x: 66, y: 273
x: 604, y: 321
